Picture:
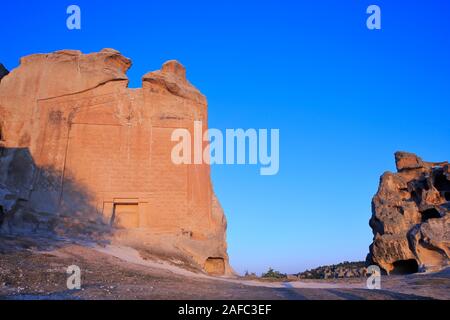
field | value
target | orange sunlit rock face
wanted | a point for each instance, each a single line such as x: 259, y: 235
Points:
x: 411, y: 221
x: 84, y: 142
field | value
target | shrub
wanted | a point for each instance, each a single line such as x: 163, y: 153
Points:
x: 272, y: 274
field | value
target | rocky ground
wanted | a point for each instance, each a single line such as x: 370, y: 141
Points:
x: 34, y: 273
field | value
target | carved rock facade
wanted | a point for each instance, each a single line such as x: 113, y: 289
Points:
x: 80, y: 148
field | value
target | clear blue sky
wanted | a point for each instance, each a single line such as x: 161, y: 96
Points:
x: 344, y: 98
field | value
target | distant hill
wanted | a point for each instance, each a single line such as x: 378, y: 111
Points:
x: 342, y: 270
x: 3, y: 71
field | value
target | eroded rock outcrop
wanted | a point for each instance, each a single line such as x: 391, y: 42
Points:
x: 337, y: 271
x: 411, y: 217
x: 81, y: 152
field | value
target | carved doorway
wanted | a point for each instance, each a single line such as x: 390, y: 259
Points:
x: 126, y: 215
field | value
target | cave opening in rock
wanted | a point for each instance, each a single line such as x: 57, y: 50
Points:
x: 440, y: 181
x: 126, y: 215
x: 403, y: 267
x: 215, y: 266
x: 430, y: 214
x: 415, y: 197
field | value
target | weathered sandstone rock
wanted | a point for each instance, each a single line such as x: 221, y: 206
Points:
x: 82, y: 152
x: 411, y: 217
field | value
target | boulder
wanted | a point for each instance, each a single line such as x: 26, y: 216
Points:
x: 411, y: 217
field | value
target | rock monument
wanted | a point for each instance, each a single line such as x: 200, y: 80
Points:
x: 80, y: 148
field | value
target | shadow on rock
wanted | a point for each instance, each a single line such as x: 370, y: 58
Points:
x: 42, y: 208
